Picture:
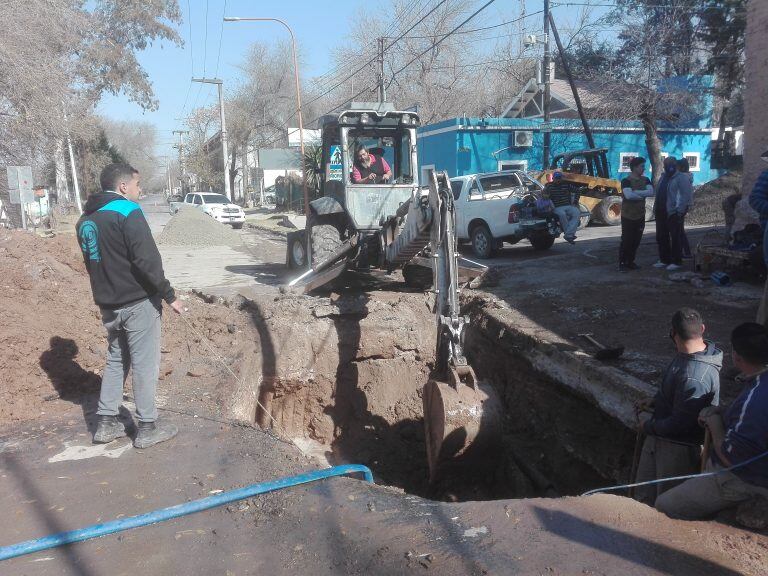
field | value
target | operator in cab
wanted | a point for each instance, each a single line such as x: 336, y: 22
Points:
x: 370, y: 169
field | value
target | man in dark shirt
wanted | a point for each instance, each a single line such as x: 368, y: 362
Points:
x: 566, y: 204
x: 635, y: 188
x: 690, y: 383
x: 128, y: 285
x: 738, y: 436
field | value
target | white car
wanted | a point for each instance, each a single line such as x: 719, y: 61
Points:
x: 493, y: 208
x: 217, y: 206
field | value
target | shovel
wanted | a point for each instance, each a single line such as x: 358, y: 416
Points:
x: 603, y: 353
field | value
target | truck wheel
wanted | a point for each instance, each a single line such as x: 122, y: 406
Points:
x: 650, y: 205
x: 325, y: 240
x: 483, y: 243
x: 586, y: 216
x: 542, y: 240
x: 297, y: 251
x: 418, y: 277
x: 610, y: 210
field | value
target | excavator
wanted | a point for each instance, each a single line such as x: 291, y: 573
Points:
x: 392, y: 223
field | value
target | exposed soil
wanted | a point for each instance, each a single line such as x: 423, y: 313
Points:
x: 708, y: 199
x: 54, y: 344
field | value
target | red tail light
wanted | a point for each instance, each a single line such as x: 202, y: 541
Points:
x: 514, y: 214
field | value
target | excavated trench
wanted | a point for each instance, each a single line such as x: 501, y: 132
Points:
x: 342, y: 376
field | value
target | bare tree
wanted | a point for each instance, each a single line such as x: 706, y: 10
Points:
x: 57, y: 57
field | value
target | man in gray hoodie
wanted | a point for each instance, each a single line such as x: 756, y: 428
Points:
x: 673, y: 200
x: 691, y: 382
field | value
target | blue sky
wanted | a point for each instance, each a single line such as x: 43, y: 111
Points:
x: 319, y: 27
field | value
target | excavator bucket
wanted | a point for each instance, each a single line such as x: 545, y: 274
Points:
x: 462, y: 424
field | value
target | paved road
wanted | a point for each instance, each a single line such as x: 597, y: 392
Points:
x: 256, y: 267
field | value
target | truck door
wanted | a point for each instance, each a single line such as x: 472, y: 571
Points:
x: 457, y: 187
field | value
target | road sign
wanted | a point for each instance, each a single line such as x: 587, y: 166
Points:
x: 335, y: 170
x: 20, y: 184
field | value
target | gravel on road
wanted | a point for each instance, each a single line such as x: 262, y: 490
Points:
x: 191, y: 227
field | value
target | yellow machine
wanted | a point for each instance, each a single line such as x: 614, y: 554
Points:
x: 600, y: 194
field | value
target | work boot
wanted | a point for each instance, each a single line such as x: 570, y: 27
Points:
x: 108, y: 428
x: 151, y: 433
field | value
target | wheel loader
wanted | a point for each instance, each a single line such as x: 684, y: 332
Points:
x: 600, y: 194
x: 403, y: 224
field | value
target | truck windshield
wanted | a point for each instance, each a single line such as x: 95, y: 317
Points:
x: 215, y: 199
x: 386, y: 149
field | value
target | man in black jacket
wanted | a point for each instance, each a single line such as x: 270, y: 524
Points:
x: 691, y: 383
x: 128, y: 285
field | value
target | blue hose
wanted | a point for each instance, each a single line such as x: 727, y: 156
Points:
x: 97, y: 530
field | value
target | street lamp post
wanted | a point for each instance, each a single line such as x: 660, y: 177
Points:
x: 298, y: 95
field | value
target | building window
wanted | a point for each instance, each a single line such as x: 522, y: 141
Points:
x: 624, y: 159
x: 513, y: 165
x: 694, y: 160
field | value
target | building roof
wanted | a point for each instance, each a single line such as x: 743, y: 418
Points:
x: 615, y: 99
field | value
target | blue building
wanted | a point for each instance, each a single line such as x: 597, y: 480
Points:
x: 514, y: 140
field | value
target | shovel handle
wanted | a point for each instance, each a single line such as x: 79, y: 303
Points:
x: 593, y: 341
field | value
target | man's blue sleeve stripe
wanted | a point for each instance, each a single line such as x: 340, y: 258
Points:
x: 123, y: 207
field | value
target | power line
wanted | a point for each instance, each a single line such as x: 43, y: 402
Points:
x: 328, y: 77
x: 472, y: 31
x: 369, y: 62
x: 192, y: 61
x: 440, y: 41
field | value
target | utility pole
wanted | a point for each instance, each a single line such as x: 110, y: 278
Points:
x: 546, y: 128
x: 74, y: 175
x: 574, y: 90
x: 382, y: 88
x: 224, y: 151
x: 180, y: 146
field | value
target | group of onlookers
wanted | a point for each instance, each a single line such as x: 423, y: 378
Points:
x: 688, y: 403
x: 674, y: 197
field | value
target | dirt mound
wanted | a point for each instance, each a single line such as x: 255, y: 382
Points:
x: 53, y: 343
x: 708, y: 199
x: 190, y: 227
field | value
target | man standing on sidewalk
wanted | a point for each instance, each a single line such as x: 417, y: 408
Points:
x: 635, y: 188
x: 690, y: 384
x: 128, y: 285
x: 566, y: 206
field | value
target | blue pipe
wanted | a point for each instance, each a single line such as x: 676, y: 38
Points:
x: 97, y: 530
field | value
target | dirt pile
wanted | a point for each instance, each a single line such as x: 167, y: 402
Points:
x: 708, y: 199
x: 191, y: 227
x: 53, y: 344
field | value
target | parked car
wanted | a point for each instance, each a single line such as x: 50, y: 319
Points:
x: 497, y: 207
x: 217, y: 206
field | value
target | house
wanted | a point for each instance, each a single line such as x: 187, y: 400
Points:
x: 756, y: 74
x: 514, y: 140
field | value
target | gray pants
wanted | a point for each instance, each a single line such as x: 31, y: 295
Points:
x: 702, y: 497
x: 663, y: 459
x: 133, y: 334
x: 569, y: 219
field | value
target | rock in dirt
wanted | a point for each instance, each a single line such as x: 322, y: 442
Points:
x: 191, y: 227
x: 753, y: 513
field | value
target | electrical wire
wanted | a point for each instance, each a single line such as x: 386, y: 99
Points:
x: 472, y: 31
x: 676, y: 478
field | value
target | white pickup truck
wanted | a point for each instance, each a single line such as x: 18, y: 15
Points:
x: 217, y: 206
x: 494, y: 208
